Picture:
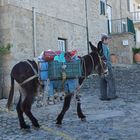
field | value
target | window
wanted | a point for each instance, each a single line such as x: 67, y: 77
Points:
x: 102, y: 7
x: 124, y: 27
x: 128, y: 5
x: 62, y: 44
x: 109, y: 16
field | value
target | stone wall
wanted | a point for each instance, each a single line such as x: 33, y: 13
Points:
x: 5, y: 25
x: 73, y: 11
x: 16, y: 27
x: 54, y: 19
x: 123, y: 53
x: 50, y: 29
x: 119, y: 9
x: 97, y: 23
x: 19, y: 25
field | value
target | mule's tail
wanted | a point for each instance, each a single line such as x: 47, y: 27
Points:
x: 11, y: 94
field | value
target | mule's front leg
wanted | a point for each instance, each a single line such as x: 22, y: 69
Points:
x: 66, y: 106
x: 79, y: 110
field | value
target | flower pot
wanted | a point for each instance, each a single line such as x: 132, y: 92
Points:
x: 137, y: 57
x: 113, y: 58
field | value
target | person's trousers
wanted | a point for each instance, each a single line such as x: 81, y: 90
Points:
x: 107, y: 86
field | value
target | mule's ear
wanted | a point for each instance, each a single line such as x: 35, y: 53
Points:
x: 99, y: 46
x: 93, y: 48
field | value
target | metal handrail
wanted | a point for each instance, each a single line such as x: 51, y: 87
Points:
x: 136, y: 16
x: 121, y: 26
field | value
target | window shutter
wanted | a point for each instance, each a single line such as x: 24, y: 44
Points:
x: 102, y: 7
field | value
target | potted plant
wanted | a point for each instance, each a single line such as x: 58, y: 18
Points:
x: 113, y: 58
x: 136, y: 54
x: 4, y: 49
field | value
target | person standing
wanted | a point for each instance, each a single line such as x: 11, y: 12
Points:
x: 107, y: 81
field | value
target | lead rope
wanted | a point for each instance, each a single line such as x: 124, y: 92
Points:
x: 84, y: 64
x: 100, y: 61
x: 76, y: 97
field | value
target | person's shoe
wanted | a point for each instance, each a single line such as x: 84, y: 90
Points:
x: 105, y: 99
x: 115, y: 97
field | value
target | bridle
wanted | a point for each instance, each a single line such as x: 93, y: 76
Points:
x: 84, y: 64
x: 100, y: 61
x: 93, y: 63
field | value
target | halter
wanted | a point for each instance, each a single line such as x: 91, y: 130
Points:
x: 32, y: 77
x: 84, y: 64
x: 100, y: 61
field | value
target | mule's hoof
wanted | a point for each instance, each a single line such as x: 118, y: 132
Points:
x: 58, y: 125
x: 36, y: 126
x: 83, y: 119
x: 25, y: 127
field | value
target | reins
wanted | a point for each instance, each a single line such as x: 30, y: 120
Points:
x: 100, y: 61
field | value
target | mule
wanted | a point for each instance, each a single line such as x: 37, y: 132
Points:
x: 25, y: 73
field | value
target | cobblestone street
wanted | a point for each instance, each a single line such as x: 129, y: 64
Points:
x: 106, y: 120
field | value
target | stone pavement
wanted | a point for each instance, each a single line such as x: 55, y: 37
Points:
x: 106, y: 120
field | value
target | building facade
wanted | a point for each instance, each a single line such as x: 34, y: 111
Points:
x: 33, y: 26
x: 135, y: 15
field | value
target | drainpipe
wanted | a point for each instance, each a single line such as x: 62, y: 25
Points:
x: 120, y: 9
x: 34, y: 31
x: 121, y: 13
x: 87, y: 26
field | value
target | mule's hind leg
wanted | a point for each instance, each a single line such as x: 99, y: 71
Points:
x: 20, y: 115
x: 27, y: 110
x: 79, y: 110
x: 66, y: 106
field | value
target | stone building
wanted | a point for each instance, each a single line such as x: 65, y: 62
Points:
x: 135, y: 15
x: 33, y: 26
x: 121, y: 28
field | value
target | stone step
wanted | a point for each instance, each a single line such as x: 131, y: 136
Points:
x: 127, y: 79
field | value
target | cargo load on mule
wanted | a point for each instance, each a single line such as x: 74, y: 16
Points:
x: 56, y: 62
x: 59, y: 72
x: 54, y: 65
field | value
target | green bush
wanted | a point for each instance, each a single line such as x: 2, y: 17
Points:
x: 4, y: 49
x: 136, y: 50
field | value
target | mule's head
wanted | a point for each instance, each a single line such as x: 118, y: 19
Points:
x: 99, y: 62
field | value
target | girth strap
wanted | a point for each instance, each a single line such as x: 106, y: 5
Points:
x: 32, y: 77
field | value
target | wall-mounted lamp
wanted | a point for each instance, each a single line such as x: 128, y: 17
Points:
x: 138, y: 6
